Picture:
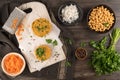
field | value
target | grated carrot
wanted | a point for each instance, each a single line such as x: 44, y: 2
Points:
x: 20, y: 30
x: 13, y: 64
x: 14, y: 23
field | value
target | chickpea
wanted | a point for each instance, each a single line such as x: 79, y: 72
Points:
x: 101, y: 19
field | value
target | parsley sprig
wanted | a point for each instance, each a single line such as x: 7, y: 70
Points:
x: 53, y: 42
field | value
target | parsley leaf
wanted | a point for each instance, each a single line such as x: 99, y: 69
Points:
x: 83, y: 44
x: 40, y: 52
x: 49, y: 40
x: 106, y: 24
x: 68, y: 64
x: 38, y: 28
x: 69, y: 41
x: 55, y: 43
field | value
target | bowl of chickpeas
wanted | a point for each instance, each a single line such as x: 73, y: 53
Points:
x: 101, y: 18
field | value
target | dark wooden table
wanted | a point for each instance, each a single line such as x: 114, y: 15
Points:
x: 81, y: 33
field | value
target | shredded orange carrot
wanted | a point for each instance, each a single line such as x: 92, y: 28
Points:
x: 14, y: 23
x: 13, y: 64
x: 20, y: 30
x: 20, y: 38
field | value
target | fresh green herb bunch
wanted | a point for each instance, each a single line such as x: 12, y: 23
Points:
x: 105, y: 59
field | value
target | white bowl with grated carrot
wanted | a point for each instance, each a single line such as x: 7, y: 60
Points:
x: 13, y: 64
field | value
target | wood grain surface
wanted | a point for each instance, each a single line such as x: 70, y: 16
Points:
x: 81, y: 33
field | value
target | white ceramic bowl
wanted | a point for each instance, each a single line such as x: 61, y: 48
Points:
x: 16, y: 74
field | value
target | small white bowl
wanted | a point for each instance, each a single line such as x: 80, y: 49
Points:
x: 22, y: 69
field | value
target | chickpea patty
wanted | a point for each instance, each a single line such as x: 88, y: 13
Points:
x: 43, y: 52
x: 41, y: 27
x: 101, y: 19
